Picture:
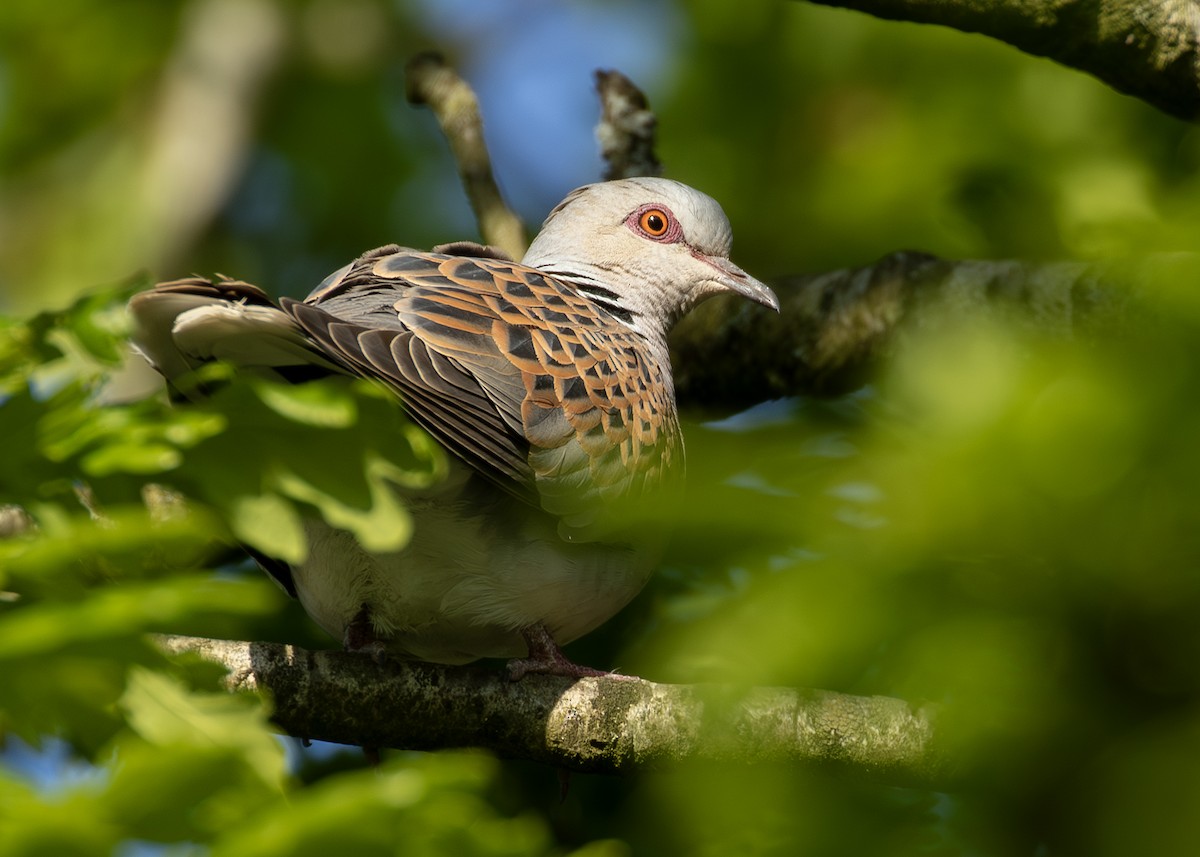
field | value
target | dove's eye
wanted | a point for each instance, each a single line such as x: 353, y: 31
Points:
x: 655, y: 222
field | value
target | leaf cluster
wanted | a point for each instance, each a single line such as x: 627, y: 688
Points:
x: 110, y: 553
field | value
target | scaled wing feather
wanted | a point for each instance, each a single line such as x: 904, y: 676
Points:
x: 515, y: 371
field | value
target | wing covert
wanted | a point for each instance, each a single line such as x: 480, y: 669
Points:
x: 514, y: 371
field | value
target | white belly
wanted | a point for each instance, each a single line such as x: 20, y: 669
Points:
x: 468, y: 581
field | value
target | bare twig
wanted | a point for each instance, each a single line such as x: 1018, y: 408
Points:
x: 1148, y: 50
x: 597, y: 725
x: 87, y: 499
x: 626, y: 129
x: 15, y: 521
x: 430, y: 81
x: 164, y: 504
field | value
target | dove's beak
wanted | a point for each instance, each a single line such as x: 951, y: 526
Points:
x: 738, y: 281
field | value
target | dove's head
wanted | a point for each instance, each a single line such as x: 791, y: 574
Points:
x: 648, y: 247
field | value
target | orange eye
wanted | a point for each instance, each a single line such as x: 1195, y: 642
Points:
x: 654, y: 222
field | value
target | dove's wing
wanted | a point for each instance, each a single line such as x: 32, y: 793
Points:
x: 516, y: 372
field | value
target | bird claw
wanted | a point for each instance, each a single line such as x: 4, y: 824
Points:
x: 546, y: 658
x: 360, y: 637
x: 377, y: 650
x: 518, y: 668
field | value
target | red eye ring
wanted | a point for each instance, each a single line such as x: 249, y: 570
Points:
x: 654, y: 222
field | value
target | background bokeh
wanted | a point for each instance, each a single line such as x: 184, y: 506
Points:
x: 272, y: 140
x: 1003, y: 521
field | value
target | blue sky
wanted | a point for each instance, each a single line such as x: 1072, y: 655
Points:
x: 529, y: 60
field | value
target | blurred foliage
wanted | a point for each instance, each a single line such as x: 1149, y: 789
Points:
x: 1006, y: 523
x: 1003, y: 523
x: 832, y: 138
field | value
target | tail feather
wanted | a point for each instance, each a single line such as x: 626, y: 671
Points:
x: 181, y: 325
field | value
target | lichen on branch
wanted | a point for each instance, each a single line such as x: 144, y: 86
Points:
x: 592, y: 725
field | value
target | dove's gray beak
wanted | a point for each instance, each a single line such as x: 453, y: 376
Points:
x: 738, y: 281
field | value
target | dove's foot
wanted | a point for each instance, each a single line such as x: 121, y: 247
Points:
x: 360, y: 636
x: 547, y: 658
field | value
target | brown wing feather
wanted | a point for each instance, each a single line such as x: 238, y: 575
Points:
x: 224, y: 288
x: 514, y: 371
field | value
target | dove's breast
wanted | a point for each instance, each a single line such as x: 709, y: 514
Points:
x: 462, y: 589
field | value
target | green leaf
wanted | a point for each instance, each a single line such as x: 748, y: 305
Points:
x: 71, y: 549
x: 164, y: 712
x: 270, y: 524
x: 321, y: 405
x: 432, y: 804
x: 382, y: 525
x: 131, y: 457
x: 182, y: 604
x: 64, y: 662
x: 33, y: 823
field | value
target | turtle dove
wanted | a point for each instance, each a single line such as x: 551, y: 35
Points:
x: 547, y: 380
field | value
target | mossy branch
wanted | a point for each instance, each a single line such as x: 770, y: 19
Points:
x: 593, y: 725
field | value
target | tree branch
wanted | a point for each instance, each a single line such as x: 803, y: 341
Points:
x: 430, y: 81
x: 594, y: 725
x: 627, y: 127
x: 832, y: 329
x: 1148, y: 50
x: 835, y: 327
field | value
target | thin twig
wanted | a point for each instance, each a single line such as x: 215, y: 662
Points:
x: 430, y: 81
x: 15, y: 522
x: 626, y: 131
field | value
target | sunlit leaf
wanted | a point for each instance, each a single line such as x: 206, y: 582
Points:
x: 271, y: 524
x: 428, y: 805
x: 382, y: 525
x: 164, y: 713
x: 323, y: 405
x: 34, y: 824
x: 69, y: 549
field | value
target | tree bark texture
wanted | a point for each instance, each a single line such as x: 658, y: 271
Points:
x: 1150, y: 50
x: 627, y: 128
x: 430, y: 81
x: 833, y: 328
x: 594, y: 725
